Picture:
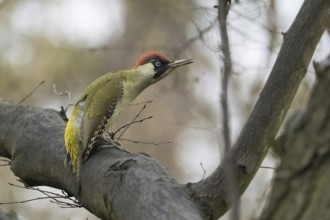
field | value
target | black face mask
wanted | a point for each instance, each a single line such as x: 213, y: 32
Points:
x: 160, y: 66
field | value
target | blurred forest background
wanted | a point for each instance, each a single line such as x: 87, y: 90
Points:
x: 69, y: 43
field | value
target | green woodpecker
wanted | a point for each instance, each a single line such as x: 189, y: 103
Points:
x: 104, y: 99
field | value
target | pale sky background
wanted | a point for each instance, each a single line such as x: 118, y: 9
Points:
x: 93, y: 22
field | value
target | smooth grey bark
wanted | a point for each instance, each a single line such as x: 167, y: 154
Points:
x: 115, y: 184
x: 301, y: 188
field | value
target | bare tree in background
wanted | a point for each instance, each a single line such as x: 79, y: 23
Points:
x: 134, y: 186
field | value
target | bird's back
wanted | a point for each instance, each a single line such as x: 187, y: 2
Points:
x: 91, y: 113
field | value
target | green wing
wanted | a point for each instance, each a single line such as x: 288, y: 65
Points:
x: 102, y: 97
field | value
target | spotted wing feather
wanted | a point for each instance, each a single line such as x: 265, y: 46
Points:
x: 102, y: 102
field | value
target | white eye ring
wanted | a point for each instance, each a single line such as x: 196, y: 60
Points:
x: 158, y: 64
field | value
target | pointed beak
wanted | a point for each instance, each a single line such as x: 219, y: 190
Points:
x: 177, y: 63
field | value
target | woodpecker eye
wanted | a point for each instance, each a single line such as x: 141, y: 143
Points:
x: 160, y: 66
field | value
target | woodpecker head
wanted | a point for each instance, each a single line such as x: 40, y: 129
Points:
x: 156, y: 66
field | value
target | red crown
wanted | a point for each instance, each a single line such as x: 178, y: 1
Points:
x: 146, y: 57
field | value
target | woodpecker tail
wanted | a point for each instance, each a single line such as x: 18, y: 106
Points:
x: 76, y: 164
x: 78, y: 182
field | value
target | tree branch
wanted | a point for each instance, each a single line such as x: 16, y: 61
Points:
x: 304, y: 173
x: 113, y: 180
x: 288, y: 71
x: 228, y: 163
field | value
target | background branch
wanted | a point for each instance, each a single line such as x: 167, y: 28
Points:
x: 230, y: 171
x: 304, y: 173
x: 288, y: 71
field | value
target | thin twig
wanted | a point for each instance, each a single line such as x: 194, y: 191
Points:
x: 129, y: 124
x: 125, y: 127
x: 65, y: 93
x: 33, y: 90
x: 177, y: 51
x: 147, y: 143
x: 134, y: 122
x: 25, y: 201
x: 230, y: 172
x: 267, y: 167
x: 227, y: 70
x: 140, y: 103
x: 201, y: 128
x: 187, y: 44
x: 54, y: 197
x: 204, y: 171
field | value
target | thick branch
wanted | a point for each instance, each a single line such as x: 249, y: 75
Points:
x: 304, y: 173
x: 288, y: 71
x: 115, y: 184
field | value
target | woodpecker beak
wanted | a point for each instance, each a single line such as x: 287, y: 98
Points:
x: 177, y: 63
x: 169, y: 67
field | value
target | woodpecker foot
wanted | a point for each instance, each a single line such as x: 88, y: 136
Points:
x: 108, y: 139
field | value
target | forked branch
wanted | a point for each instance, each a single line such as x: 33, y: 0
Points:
x: 288, y: 71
